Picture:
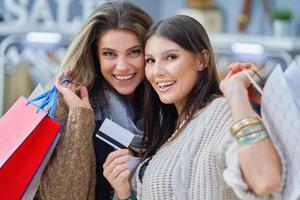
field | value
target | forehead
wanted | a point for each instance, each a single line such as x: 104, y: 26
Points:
x: 118, y: 39
x: 160, y: 44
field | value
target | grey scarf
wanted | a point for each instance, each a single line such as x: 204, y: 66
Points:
x: 119, y: 110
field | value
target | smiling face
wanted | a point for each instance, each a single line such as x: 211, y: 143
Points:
x: 121, y: 60
x: 171, y: 70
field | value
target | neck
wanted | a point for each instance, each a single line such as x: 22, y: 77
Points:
x: 179, y: 106
x: 131, y: 99
x: 181, y: 120
x: 134, y: 104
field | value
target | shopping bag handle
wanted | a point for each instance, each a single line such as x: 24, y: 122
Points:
x: 49, y: 96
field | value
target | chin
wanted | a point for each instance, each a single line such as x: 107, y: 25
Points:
x: 126, y: 91
x: 166, y: 100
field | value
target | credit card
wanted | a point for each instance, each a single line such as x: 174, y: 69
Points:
x: 114, y: 134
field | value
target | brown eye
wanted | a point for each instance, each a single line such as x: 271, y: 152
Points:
x: 108, y: 53
x: 135, y: 52
x: 171, y: 57
x: 150, y: 60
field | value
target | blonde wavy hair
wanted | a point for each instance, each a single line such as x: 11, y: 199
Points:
x: 81, y: 57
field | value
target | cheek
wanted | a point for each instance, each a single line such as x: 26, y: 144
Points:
x: 148, y: 73
x: 105, y: 65
x: 139, y: 64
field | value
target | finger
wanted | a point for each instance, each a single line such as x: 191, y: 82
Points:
x: 114, y: 155
x: 73, y: 87
x: 59, y: 78
x: 111, y: 171
x: 230, y: 72
x: 118, y: 170
x: 69, y: 72
x: 245, y: 66
x: 119, y: 160
x: 58, y: 82
x: 252, y: 66
x: 123, y: 176
x: 249, y: 65
x: 84, y: 94
x: 66, y: 85
x: 236, y: 67
x: 59, y: 88
x: 116, y: 162
x: 230, y: 67
x: 63, y: 87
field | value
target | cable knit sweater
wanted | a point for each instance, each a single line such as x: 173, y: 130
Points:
x: 200, y: 164
x: 70, y: 174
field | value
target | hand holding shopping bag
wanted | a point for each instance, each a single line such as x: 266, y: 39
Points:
x: 28, y: 136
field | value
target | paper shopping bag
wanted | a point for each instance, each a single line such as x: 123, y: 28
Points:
x: 281, y: 117
x: 27, y: 139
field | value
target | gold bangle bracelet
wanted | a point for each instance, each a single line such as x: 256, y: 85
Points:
x: 250, y: 133
x: 243, y: 125
x: 244, y: 122
x: 247, y: 130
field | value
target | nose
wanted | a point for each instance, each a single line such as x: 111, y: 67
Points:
x: 122, y: 64
x: 158, y: 69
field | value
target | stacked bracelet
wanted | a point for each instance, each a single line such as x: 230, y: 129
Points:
x: 248, y: 130
x: 237, y: 126
x: 254, y: 137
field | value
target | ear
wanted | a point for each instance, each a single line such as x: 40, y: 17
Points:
x: 203, y: 59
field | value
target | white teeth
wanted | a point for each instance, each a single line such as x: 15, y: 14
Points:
x: 124, y: 77
x: 166, y: 83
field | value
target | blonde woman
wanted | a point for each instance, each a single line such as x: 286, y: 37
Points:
x: 105, y: 67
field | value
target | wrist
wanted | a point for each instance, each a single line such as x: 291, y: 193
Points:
x: 124, y: 195
x: 235, y: 91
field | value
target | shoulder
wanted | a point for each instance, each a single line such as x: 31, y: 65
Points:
x: 213, y: 121
x: 217, y: 109
x: 219, y: 102
x: 219, y: 115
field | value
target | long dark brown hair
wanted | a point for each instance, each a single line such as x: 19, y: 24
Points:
x: 160, y: 119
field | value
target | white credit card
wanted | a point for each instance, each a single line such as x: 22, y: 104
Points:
x: 256, y: 86
x: 114, y: 134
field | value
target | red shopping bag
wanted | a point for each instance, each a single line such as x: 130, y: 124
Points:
x: 27, y: 139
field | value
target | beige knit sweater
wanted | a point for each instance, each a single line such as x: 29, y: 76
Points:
x: 70, y: 173
x: 200, y: 164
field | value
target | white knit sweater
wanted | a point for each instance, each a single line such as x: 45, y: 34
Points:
x: 201, y: 163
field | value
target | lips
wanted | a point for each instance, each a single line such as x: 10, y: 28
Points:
x: 165, y: 84
x: 124, y: 77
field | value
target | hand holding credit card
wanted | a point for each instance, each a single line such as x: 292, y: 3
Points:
x: 117, y: 137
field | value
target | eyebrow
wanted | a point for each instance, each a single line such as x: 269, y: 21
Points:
x: 131, y: 48
x: 165, y: 52
x: 135, y: 47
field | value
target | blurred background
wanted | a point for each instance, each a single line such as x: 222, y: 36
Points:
x: 34, y: 35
